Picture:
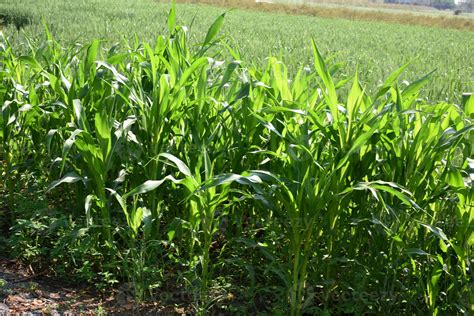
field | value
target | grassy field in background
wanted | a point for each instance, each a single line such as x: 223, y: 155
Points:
x: 378, y: 48
x: 389, y: 13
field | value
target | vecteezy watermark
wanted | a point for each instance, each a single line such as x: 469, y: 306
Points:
x: 317, y: 295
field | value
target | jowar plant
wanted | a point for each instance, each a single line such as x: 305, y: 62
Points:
x: 174, y: 161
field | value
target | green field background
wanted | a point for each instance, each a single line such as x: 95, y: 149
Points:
x: 377, y: 48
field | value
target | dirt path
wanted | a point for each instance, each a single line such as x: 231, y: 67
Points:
x: 26, y: 292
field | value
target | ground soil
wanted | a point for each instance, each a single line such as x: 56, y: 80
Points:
x: 24, y: 291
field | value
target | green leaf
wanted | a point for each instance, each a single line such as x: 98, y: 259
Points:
x: 137, y: 217
x: 81, y: 118
x: 87, y: 208
x: 455, y: 179
x: 189, y: 71
x: 91, y: 56
x: 280, y: 76
x: 172, y: 18
x: 414, y: 87
x: 102, y: 126
x: 178, y: 163
x: 468, y: 103
x: 330, y: 90
x: 49, y: 139
x: 358, y: 143
x: 145, y: 187
x: 68, y: 178
x: 148, y: 186
x: 435, y: 276
x: 214, y: 29
x: 388, y: 83
x: 353, y: 97
x: 228, y: 73
x: 438, y: 232
x: 31, y: 61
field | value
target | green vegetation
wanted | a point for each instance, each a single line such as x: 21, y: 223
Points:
x: 368, y: 11
x: 378, y: 48
x: 234, y: 187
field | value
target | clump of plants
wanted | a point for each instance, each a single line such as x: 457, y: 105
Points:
x: 16, y: 18
x: 245, y: 189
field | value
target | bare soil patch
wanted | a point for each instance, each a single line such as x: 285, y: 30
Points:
x: 28, y: 292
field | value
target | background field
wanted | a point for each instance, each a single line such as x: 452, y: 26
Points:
x: 378, y: 48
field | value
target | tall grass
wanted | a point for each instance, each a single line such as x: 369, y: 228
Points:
x: 192, y: 163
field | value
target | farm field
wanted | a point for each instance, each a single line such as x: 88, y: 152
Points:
x: 376, y: 6
x: 194, y: 159
x: 377, y: 48
x: 359, y: 10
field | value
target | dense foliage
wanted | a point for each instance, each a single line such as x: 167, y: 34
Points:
x: 232, y: 186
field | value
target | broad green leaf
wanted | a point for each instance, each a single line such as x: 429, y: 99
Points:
x: 71, y: 177
x: 414, y: 87
x: 388, y: 83
x: 468, y: 103
x: 214, y: 30
x: 148, y: 186
x: 91, y: 56
x: 200, y: 62
x: 280, y: 73
x: 178, y: 163
x: 81, y: 118
x: 329, y: 88
x: 31, y: 61
x: 358, y: 143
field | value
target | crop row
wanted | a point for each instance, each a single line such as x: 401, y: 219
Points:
x: 161, y: 164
